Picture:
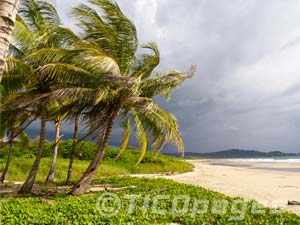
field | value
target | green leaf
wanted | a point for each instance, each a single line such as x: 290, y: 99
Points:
x: 125, y: 139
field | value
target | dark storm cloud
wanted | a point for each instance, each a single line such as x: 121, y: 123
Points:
x: 246, y: 93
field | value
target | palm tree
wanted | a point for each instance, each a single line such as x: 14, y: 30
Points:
x: 60, y: 67
x: 39, y: 29
x: 57, y: 122
x: 9, y: 157
x: 39, y: 16
x: 8, y: 12
x: 116, y: 35
x: 73, y: 150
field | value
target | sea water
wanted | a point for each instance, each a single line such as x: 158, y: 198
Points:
x: 293, y: 159
x: 287, y: 164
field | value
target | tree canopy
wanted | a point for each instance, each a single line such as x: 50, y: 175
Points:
x: 99, y: 75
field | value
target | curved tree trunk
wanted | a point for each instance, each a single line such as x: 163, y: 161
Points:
x: 50, y: 178
x: 81, y: 186
x: 27, y: 186
x: 11, y: 142
x: 73, y: 153
x: 8, y: 12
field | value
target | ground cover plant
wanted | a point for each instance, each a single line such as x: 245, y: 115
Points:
x: 62, y: 209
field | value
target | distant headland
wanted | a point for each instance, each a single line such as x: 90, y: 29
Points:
x: 240, y: 153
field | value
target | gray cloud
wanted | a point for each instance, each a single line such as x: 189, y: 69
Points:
x: 246, y: 93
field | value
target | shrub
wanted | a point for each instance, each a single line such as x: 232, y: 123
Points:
x: 84, y: 150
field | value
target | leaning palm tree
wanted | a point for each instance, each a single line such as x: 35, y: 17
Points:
x: 116, y: 36
x: 8, y: 12
x: 52, y: 70
x: 39, y: 29
x: 38, y: 16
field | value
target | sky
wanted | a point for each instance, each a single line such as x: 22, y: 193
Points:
x: 246, y: 93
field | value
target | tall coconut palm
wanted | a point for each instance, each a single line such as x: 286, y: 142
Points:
x: 8, y: 12
x: 116, y: 35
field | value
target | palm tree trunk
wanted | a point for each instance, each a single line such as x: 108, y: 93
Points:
x: 73, y: 153
x: 50, y: 178
x: 8, y: 12
x: 11, y: 142
x: 28, y: 184
x: 81, y: 186
x: 1, y: 140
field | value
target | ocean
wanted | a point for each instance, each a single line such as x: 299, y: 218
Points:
x: 284, y: 164
x: 295, y: 159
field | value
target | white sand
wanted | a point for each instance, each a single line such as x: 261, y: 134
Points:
x: 271, y: 188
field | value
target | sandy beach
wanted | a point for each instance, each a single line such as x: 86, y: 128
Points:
x: 247, y: 180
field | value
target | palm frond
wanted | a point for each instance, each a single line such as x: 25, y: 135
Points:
x: 95, y: 119
x: 158, y: 145
x: 15, y: 52
x: 38, y: 14
x: 22, y: 37
x: 62, y: 73
x: 24, y: 139
x: 163, y: 84
x: 141, y: 137
x: 62, y: 37
x: 72, y: 97
x: 55, y: 110
x: 23, y: 100
x: 115, y: 34
x: 89, y: 59
x: 125, y: 139
x: 144, y: 66
x: 17, y: 66
x: 160, y: 123
x: 15, y: 72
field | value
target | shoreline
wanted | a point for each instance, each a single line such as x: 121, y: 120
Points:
x: 273, y: 188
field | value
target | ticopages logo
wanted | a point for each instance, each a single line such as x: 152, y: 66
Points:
x: 108, y: 204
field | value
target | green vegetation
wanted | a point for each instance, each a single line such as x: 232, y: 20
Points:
x: 94, y: 78
x: 82, y: 210
x: 23, y: 160
x: 85, y: 150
